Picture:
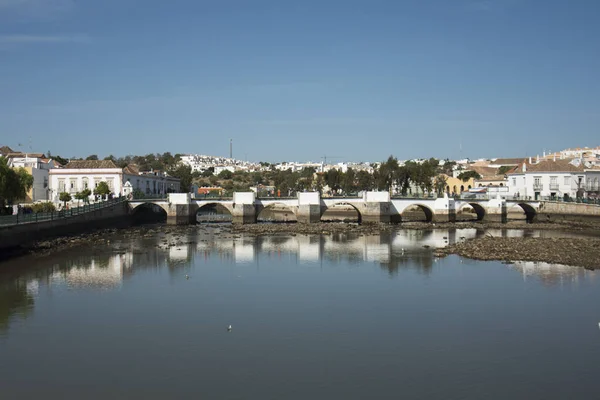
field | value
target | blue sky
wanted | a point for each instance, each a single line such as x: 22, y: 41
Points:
x: 296, y: 80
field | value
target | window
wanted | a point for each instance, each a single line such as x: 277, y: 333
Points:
x: 61, y: 185
x: 514, y: 181
x: 85, y: 183
x: 567, y: 180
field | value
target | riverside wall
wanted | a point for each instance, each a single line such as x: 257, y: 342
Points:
x: 568, y: 212
x: 23, y: 234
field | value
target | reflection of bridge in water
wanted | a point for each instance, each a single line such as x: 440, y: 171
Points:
x: 402, y: 249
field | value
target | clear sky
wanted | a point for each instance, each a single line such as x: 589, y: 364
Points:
x: 299, y: 79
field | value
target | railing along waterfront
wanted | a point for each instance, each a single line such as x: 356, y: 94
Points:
x: 17, y: 219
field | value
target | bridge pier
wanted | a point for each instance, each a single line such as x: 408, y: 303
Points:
x: 444, y: 209
x: 309, y: 208
x: 376, y: 208
x: 244, y: 211
x: 181, y: 210
x: 496, y: 211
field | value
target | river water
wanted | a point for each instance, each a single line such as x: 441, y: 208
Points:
x: 313, y: 317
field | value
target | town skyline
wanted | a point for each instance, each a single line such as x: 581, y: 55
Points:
x: 572, y: 150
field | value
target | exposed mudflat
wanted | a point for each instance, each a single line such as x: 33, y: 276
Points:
x: 582, y: 252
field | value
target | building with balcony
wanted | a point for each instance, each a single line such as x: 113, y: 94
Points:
x: 547, y: 179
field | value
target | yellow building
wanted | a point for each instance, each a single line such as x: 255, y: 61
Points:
x: 455, y: 186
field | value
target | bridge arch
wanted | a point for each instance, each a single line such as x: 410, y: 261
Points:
x: 530, y: 212
x: 275, y: 212
x: 477, y: 208
x: 213, y: 212
x: 425, y: 209
x: 326, y: 214
x: 148, y: 212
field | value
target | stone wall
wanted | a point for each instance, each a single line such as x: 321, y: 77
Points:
x: 556, y: 212
x: 24, y: 234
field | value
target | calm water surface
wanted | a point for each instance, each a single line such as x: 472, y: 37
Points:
x: 332, y: 317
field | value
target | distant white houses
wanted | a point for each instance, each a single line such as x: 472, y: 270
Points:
x: 79, y: 175
x: 201, y: 163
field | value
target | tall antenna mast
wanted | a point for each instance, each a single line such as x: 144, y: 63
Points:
x: 230, y: 148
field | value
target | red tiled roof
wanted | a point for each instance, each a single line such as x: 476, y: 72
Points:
x: 550, y: 166
x: 91, y: 164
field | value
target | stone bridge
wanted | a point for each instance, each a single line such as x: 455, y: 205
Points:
x: 308, y: 207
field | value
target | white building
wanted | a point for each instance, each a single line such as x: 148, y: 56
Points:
x: 79, y: 175
x: 592, y: 179
x: 38, y: 166
x: 547, y: 179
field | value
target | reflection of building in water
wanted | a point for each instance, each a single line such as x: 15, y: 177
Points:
x: 416, y: 239
x: 376, y: 249
x: 309, y: 248
x: 101, y: 272
x: 179, y: 253
x: 243, y: 251
x: 552, y: 274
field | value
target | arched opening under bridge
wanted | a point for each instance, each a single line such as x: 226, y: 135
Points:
x: 276, y: 212
x: 470, y: 212
x: 148, y: 213
x: 417, y: 213
x: 521, y: 212
x: 213, y: 212
x: 341, y: 212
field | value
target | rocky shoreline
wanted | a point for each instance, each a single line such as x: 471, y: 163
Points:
x: 580, y: 252
x: 583, y: 252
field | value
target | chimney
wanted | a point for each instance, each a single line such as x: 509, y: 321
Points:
x: 537, y: 161
x: 529, y: 160
x: 554, y: 157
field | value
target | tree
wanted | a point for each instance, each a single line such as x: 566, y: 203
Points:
x: 14, y: 183
x: 184, y: 173
x: 466, y: 175
x: 93, y: 157
x: 440, y: 184
x: 386, y: 173
x: 349, y: 181
x: 84, y: 195
x: 64, y: 197
x: 504, y: 169
x: 102, y: 189
x: 364, y: 180
x: 138, y: 194
x: 225, y: 174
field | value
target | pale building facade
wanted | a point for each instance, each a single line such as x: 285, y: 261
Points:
x: 38, y: 166
x: 80, y: 175
x: 547, y: 179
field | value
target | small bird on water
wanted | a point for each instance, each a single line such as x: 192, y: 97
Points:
x: 187, y: 277
x: 229, y: 328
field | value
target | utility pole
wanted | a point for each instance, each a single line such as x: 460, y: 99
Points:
x: 230, y: 148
